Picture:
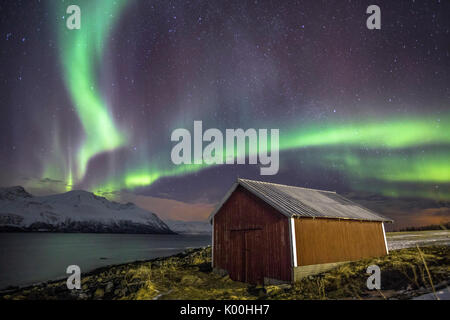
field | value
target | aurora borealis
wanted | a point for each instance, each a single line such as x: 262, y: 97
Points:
x: 359, y: 111
x: 81, y: 53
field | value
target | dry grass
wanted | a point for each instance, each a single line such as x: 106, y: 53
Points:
x: 428, y: 272
x: 401, y: 270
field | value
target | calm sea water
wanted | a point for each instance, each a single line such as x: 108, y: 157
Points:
x: 27, y: 258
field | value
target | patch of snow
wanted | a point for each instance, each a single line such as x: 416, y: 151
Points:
x: 442, y: 233
x: 424, y: 238
x: 404, y: 236
x: 443, y: 294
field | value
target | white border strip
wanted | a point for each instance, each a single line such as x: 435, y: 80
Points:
x: 293, y: 243
x: 384, y: 235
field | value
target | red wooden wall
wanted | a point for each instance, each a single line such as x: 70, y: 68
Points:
x: 251, y: 239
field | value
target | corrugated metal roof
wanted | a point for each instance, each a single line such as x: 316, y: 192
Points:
x: 303, y: 202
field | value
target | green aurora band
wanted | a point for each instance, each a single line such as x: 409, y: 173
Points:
x: 394, y: 133
x: 390, y: 166
x: 81, y: 53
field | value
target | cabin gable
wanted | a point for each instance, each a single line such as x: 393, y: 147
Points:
x: 251, y: 239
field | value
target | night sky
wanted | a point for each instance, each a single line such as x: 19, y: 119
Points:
x: 362, y: 112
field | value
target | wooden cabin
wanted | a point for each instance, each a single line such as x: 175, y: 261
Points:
x: 271, y: 233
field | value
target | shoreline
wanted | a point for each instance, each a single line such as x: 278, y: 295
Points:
x: 12, y: 288
x: 18, y: 230
x: 188, y: 275
x: 32, y: 258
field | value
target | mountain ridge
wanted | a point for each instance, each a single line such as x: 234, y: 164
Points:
x: 202, y: 227
x: 74, y: 211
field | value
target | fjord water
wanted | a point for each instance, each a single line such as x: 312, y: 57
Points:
x: 28, y: 258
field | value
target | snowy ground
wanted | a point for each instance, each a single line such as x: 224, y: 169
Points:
x: 443, y: 294
x: 401, y: 240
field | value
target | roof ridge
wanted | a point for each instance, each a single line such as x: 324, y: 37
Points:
x: 285, y: 185
x: 292, y: 205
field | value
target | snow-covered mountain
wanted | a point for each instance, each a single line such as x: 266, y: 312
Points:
x: 189, y: 227
x: 74, y: 211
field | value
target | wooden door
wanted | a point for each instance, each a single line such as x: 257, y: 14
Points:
x: 246, y: 258
x: 254, y: 257
x: 238, y: 255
